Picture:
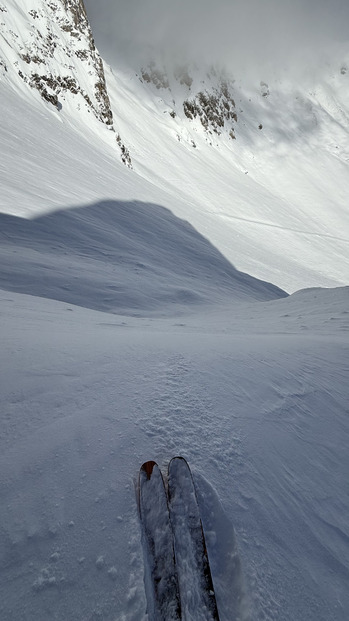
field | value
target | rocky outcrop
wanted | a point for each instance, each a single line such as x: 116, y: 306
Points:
x: 215, y: 110
x: 57, y: 56
x: 152, y: 74
x: 212, y: 104
x: 53, y: 51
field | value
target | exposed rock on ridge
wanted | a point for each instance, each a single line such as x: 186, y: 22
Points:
x: 49, y: 44
x: 56, y: 53
x: 213, y: 109
x: 210, y: 101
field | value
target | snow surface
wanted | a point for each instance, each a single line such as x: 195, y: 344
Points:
x: 133, y: 327
x: 261, y: 414
x: 273, y: 202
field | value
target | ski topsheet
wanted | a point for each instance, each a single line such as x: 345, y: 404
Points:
x: 178, y: 578
x: 198, y: 600
x: 160, y: 572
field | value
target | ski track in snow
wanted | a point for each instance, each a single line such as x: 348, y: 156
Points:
x: 177, y: 405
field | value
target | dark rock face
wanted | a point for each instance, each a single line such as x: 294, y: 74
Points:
x: 152, y: 74
x: 60, y: 30
x: 125, y: 154
x: 215, y: 109
x: 213, y: 104
x: 53, y: 51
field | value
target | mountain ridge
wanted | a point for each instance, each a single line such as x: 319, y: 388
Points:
x: 50, y: 47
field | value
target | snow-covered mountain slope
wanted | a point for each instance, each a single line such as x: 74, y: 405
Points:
x: 134, y: 327
x: 49, y: 47
x: 283, y: 187
x: 272, y: 198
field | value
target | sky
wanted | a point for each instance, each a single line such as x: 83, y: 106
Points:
x: 242, y: 34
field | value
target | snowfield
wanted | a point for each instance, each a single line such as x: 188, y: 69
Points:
x: 145, y: 314
x: 255, y: 398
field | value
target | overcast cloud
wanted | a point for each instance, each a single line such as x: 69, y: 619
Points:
x: 246, y: 35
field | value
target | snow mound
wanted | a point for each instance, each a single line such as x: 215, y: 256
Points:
x: 121, y: 257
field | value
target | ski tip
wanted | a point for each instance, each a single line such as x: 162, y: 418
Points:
x: 178, y: 458
x: 148, y: 467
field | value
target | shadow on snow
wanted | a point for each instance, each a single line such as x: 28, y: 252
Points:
x: 123, y: 257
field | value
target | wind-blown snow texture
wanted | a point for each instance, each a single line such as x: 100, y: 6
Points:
x: 138, y: 322
x: 258, y: 406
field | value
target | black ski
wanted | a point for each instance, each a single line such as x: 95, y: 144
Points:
x: 198, y: 601
x: 160, y: 567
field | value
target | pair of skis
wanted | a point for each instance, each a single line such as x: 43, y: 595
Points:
x: 178, y: 577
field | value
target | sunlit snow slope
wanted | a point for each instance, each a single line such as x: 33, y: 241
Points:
x: 280, y: 191
x: 273, y: 200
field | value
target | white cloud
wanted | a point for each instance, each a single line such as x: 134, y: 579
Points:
x: 244, y: 34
